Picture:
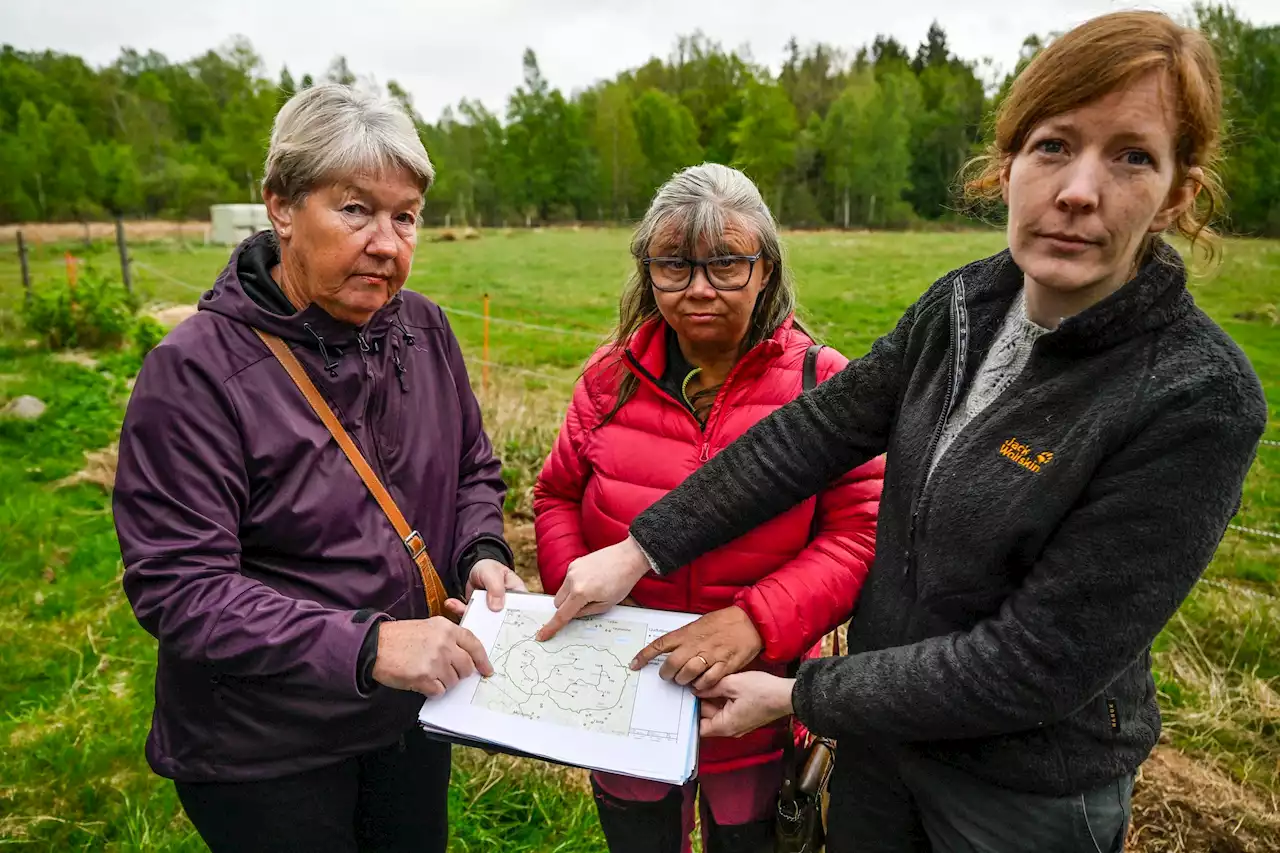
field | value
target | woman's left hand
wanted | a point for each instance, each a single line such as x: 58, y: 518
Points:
x: 744, y: 702
x: 705, y: 650
x: 495, y: 579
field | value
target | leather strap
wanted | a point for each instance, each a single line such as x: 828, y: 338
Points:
x: 809, y: 373
x: 413, y: 541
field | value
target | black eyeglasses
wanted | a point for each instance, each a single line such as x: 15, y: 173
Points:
x: 727, y: 272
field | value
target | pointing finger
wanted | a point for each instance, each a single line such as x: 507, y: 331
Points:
x: 564, y: 614
x: 471, y: 644
x: 651, y: 651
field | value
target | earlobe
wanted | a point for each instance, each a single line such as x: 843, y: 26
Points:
x: 1004, y: 181
x: 280, y: 213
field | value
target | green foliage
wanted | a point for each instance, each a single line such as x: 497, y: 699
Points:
x: 98, y: 313
x: 765, y: 138
x: 147, y: 333
x: 872, y: 138
x: 1251, y: 70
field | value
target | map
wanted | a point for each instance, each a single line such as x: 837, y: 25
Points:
x: 579, y: 678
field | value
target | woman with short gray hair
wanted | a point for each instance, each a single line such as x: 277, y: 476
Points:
x: 304, y: 482
x: 707, y: 344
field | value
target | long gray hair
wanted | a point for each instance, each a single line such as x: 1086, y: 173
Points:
x: 695, y: 204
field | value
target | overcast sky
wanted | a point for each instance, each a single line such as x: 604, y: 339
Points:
x: 442, y: 52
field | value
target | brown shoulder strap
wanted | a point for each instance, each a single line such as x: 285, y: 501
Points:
x: 412, y: 540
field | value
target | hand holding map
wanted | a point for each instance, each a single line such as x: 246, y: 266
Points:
x: 574, y: 698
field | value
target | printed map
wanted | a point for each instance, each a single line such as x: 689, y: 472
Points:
x: 579, y: 678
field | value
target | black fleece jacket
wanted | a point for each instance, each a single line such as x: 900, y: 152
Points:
x: 1006, y: 624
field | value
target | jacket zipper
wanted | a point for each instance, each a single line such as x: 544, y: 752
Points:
x: 411, y: 571
x: 645, y: 376
x: 957, y: 352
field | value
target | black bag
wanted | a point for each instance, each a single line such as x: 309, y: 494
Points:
x: 805, y: 770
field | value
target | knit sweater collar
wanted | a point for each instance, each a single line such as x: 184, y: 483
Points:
x: 1151, y: 300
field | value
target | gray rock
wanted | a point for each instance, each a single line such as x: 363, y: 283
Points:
x: 26, y: 408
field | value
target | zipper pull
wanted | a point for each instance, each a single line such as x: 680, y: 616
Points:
x: 706, y: 451
x: 364, y: 344
x: 400, y: 371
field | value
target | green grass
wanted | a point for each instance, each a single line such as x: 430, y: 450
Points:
x: 76, y: 671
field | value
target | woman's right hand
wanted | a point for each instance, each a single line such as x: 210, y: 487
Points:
x: 427, y: 656
x: 596, y: 582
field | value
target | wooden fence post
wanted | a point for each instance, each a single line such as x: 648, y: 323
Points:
x: 26, y: 270
x: 124, y: 255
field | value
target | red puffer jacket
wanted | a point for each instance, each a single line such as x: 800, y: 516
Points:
x: 796, y: 580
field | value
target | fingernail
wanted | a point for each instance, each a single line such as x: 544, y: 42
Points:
x: 635, y: 663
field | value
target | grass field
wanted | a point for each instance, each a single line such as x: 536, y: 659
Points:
x: 76, y: 671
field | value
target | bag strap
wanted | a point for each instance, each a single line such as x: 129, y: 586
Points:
x: 809, y: 376
x: 790, y: 765
x: 809, y: 381
x: 413, y: 541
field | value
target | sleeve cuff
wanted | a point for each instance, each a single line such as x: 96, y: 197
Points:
x: 484, y: 548
x: 368, y: 654
x: 649, y: 558
x: 803, y: 700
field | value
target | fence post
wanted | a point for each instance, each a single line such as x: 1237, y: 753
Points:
x: 71, y: 269
x: 124, y: 255
x: 485, y: 366
x: 26, y: 270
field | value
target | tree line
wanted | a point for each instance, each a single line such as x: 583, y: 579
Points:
x: 872, y: 137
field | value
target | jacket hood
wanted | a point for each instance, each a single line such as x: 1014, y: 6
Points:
x: 310, y: 327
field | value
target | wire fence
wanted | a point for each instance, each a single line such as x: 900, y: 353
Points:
x: 164, y: 275
x: 487, y: 363
x: 558, y: 330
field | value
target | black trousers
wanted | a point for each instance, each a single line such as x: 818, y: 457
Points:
x: 391, y: 800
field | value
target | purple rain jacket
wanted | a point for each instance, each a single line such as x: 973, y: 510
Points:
x: 252, y: 550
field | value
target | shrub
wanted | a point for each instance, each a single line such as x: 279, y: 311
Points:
x: 146, y: 334
x: 97, y: 314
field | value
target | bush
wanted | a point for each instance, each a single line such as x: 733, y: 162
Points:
x: 97, y: 314
x: 146, y: 334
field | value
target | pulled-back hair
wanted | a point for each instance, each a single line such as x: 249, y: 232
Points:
x: 1102, y: 56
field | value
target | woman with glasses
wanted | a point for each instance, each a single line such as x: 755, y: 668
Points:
x: 707, y: 344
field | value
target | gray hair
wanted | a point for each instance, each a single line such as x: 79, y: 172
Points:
x: 330, y: 130
x: 694, y: 206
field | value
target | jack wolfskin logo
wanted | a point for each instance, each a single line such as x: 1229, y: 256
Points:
x: 1022, y: 455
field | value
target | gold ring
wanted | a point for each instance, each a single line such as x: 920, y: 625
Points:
x: 706, y: 663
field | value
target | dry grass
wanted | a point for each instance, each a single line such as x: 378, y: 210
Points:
x: 83, y: 358
x: 99, y: 469
x: 169, y: 315
x: 1218, y: 682
x: 522, y: 417
x: 1185, y: 806
x: 38, y: 233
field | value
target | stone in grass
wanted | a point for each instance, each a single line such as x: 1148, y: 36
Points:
x: 25, y: 408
